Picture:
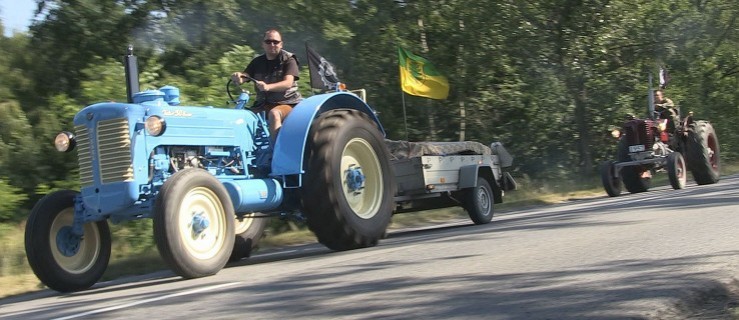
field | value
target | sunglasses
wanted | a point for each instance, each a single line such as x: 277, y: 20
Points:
x: 270, y: 41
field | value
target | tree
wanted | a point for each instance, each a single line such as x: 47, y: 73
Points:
x: 548, y: 78
x: 19, y: 155
x: 11, y: 199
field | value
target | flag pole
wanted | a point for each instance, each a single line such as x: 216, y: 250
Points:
x: 405, y: 118
x: 310, y: 76
x: 402, y: 94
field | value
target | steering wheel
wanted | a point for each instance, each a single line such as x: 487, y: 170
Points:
x: 244, y: 96
x: 228, y: 90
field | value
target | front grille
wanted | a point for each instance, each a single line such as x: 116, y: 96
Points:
x: 113, y: 152
x: 639, y: 132
x: 84, y: 157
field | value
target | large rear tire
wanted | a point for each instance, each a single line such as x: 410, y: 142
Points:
x: 194, y: 223
x: 248, y: 232
x: 349, y: 188
x: 478, y: 201
x: 676, y: 170
x: 703, y: 153
x: 632, y: 176
x: 61, y: 260
x: 611, y: 183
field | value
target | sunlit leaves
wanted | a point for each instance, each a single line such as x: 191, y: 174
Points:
x: 11, y: 199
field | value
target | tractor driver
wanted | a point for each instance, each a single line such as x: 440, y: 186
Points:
x: 275, y: 75
x: 665, y: 107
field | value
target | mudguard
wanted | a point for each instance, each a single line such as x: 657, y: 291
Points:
x: 468, y: 176
x: 289, y: 151
x: 468, y: 179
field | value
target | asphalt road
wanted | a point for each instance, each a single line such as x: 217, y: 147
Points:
x: 630, y: 257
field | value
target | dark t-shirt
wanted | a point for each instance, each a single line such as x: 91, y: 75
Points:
x: 272, y: 71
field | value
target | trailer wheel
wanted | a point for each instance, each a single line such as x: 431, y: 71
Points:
x: 676, y: 171
x: 349, y: 189
x: 248, y: 232
x: 703, y: 153
x: 632, y: 176
x: 611, y: 183
x: 478, y: 201
x: 194, y: 223
x: 61, y: 260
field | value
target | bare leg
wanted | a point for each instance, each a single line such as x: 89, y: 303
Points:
x: 276, y: 116
x: 275, y: 122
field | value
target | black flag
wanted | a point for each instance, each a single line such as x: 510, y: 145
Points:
x: 322, y: 73
x: 664, y: 78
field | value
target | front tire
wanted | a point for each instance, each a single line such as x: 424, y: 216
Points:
x: 676, y: 171
x: 194, y: 224
x: 478, y: 201
x: 61, y: 260
x: 632, y: 176
x: 611, y: 183
x: 348, y: 196
x: 703, y: 153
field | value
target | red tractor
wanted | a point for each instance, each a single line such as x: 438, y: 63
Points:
x: 662, y: 143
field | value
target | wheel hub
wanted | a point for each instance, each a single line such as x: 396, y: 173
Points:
x: 67, y: 242
x: 199, y: 223
x: 482, y: 198
x: 355, y: 179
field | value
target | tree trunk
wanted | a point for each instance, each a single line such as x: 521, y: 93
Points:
x: 429, y: 107
x: 581, y: 120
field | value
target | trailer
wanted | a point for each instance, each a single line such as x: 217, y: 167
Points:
x: 432, y: 175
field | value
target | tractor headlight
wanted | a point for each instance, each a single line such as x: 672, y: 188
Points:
x: 155, y: 126
x: 64, y: 141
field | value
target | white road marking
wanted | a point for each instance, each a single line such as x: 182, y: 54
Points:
x: 135, y: 303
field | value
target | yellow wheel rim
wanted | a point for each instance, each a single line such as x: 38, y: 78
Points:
x: 207, y: 243
x: 89, y: 246
x: 365, y: 202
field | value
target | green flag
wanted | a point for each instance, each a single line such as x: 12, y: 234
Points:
x: 418, y: 77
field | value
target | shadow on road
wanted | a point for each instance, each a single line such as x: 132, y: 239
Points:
x: 560, y: 294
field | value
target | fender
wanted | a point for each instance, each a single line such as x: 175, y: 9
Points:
x: 468, y: 176
x: 291, y: 143
x: 468, y: 179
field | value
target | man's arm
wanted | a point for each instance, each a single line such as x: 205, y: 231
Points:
x: 283, y: 85
x: 666, y: 104
x: 291, y: 72
x: 244, y: 76
x: 240, y: 77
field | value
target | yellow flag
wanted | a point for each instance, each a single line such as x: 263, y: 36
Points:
x: 418, y: 77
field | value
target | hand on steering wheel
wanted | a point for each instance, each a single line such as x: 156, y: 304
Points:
x: 261, y: 85
x: 241, y: 78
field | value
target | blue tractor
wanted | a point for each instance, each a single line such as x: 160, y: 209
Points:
x: 208, y: 177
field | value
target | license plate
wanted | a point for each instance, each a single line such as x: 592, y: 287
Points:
x: 636, y: 148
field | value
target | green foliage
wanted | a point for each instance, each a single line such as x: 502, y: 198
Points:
x: 549, y: 79
x: 10, y: 57
x: 13, y: 260
x: 11, y: 199
x: 18, y: 149
x: 133, y: 238
x: 102, y: 82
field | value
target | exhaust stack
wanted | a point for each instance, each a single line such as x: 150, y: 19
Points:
x: 131, y: 69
